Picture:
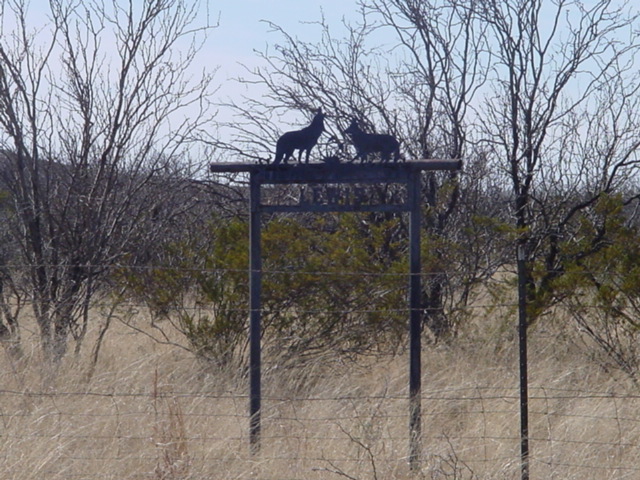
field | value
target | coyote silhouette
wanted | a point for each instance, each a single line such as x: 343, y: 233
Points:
x: 303, y: 140
x: 370, y: 143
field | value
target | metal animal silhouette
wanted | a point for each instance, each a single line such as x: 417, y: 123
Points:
x: 370, y: 143
x: 302, y: 140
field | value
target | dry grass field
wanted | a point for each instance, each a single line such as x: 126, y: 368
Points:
x: 150, y: 411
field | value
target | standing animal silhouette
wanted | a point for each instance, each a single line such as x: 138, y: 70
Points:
x: 371, y: 143
x: 302, y: 140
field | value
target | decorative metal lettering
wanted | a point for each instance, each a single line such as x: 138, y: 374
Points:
x: 343, y: 195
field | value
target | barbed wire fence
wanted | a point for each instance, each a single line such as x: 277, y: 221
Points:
x: 163, y: 431
x: 198, y: 435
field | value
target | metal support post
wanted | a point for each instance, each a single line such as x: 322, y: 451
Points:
x: 415, y: 328
x: 255, y: 286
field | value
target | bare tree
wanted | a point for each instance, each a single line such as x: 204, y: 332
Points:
x: 561, y: 119
x: 418, y: 88
x: 539, y: 98
x: 96, y: 111
x: 441, y: 72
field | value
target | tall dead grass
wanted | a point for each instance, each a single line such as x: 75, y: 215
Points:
x: 151, y: 411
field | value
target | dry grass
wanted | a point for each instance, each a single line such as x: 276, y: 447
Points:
x: 152, y: 412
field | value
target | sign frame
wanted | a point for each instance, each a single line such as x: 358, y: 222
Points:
x: 408, y: 173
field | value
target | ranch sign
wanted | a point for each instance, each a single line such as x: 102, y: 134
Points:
x: 332, y: 185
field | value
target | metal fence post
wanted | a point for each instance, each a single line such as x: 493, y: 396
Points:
x: 522, y: 341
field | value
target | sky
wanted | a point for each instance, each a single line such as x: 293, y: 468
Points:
x: 243, y: 28
x: 242, y: 25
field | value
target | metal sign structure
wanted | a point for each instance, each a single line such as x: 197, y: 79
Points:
x: 332, y: 187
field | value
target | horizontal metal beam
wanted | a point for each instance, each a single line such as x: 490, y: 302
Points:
x: 335, y: 172
x: 333, y: 208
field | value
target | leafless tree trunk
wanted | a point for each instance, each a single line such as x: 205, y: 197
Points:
x: 95, y: 112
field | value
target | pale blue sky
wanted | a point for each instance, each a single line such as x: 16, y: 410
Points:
x: 242, y: 29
